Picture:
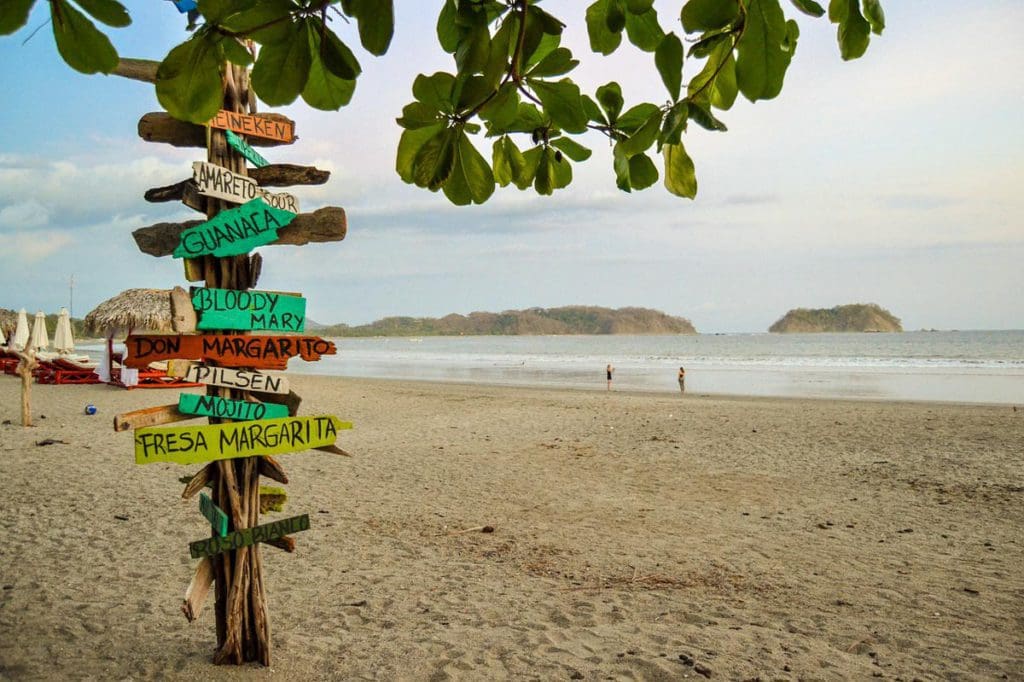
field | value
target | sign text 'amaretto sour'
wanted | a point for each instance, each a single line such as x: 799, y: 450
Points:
x: 221, y: 183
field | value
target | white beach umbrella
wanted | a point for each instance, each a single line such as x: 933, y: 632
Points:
x: 63, y: 339
x: 20, y: 339
x: 39, y: 340
x: 3, y: 339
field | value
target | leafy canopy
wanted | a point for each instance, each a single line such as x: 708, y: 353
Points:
x: 511, y: 78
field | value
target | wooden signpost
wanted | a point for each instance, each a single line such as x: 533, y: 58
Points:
x: 248, y: 536
x: 213, y: 442
x: 243, y: 148
x: 225, y: 408
x: 228, y: 378
x: 214, y: 514
x: 234, y: 232
x: 282, y: 131
x: 264, y: 352
x: 220, y: 183
x: 249, y: 310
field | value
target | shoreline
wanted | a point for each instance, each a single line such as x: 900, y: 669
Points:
x: 636, y: 535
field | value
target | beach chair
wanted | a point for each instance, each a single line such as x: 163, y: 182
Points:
x: 153, y: 376
x: 65, y: 370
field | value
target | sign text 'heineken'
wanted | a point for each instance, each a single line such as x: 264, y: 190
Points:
x: 283, y: 131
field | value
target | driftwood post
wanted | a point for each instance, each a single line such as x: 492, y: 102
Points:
x: 26, y: 363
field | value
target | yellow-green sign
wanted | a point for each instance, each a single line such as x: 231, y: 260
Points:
x: 248, y: 536
x: 211, y: 442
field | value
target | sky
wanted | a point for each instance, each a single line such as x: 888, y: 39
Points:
x: 893, y: 179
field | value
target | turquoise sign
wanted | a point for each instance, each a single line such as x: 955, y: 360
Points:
x: 214, y: 514
x: 234, y: 232
x: 249, y: 310
x: 243, y: 148
x: 223, y: 408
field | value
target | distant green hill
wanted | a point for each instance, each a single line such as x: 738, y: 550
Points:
x: 567, y: 320
x: 856, y: 317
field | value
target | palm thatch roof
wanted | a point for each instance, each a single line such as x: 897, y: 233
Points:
x: 8, y: 318
x: 138, y: 309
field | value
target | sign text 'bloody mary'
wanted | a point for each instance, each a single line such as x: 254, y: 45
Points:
x: 243, y: 148
x: 214, y: 514
x: 223, y: 408
x: 248, y: 536
x: 249, y: 310
x: 283, y: 131
x: 212, y: 442
x: 228, y: 378
x: 264, y: 352
x: 234, y: 232
x: 221, y: 183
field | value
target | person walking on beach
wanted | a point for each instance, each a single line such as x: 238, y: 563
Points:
x: 609, y: 369
x: 682, y: 380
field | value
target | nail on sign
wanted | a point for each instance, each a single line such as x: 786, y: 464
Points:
x: 234, y: 232
x: 223, y: 408
x: 283, y: 131
x: 264, y: 352
x: 248, y: 536
x: 213, y: 442
x: 243, y: 148
x: 214, y: 514
x: 221, y: 183
x: 249, y: 310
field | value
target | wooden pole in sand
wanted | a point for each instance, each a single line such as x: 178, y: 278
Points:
x: 26, y: 363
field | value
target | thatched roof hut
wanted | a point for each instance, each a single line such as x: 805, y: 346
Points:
x: 132, y: 309
x: 8, y: 318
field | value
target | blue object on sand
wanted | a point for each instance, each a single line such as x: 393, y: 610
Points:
x: 90, y: 409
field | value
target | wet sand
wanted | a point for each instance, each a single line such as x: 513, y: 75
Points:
x: 636, y: 536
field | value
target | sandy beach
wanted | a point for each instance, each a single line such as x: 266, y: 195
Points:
x: 635, y: 536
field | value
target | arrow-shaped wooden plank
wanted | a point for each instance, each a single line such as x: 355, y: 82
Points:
x: 263, y: 385
x: 264, y: 352
x: 274, y: 175
x: 248, y: 536
x: 327, y: 224
x: 195, y: 595
x: 162, y: 127
x: 151, y: 416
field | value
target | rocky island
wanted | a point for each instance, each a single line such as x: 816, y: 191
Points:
x: 855, y: 317
x: 565, y: 320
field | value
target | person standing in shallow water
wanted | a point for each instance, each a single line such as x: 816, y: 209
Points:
x: 682, y: 380
x: 609, y: 369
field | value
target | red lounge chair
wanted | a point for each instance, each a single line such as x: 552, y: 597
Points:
x: 67, y: 371
x: 151, y: 377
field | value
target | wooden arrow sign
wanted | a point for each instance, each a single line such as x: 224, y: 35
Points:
x: 223, y: 408
x: 221, y: 183
x: 214, y: 514
x: 260, y: 126
x: 233, y: 232
x: 248, y: 536
x: 243, y: 148
x: 212, y: 442
x: 262, y: 352
x: 249, y: 310
x: 162, y: 127
x: 229, y: 378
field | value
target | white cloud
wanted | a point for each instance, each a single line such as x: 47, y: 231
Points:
x: 24, y: 215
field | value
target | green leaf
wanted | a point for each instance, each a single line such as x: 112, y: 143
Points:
x: 549, y: 24
x: 639, y: 6
x: 642, y: 171
x: 531, y: 163
x: 572, y: 149
x: 809, y: 7
x: 854, y: 30
x: 540, y: 50
x: 434, y: 161
x: 602, y: 39
x: 610, y: 98
x: 762, y: 54
x: 509, y: 163
x: 556, y: 63
x: 282, y: 69
x: 593, y: 111
x: 709, y: 15
x: 471, y: 91
x: 674, y: 124
x: 615, y: 19
x: 188, y: 82
x: 82, y: 46
x: 669, y: 60
x: 528, y: 118
x: 110, y: 12
x: 418, y: 115
x: 214, y: 11
x: 435, y: 90
x: 644, y: 137
x: 409, y: 146
x: 553, y: 172
x: 14, y: 15
x: 234, y: 52
x: 376, y: 20
x: 637, y: 116
x: 474, y: 51
x: 471, y: 180
x: 272, y: 15
x: 680, y: 176
x: 722, y: 90
x: 563, y: 103
x: 875, y: 16
x: 703, y: 117
x: 448, y: 31
x: 502, y: 110
x: 644, y: 31
x: 336, y: 56
x: 325, y: 90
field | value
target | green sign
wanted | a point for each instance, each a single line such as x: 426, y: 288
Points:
x: 243, y: 148
x: 212, y: 442
x: 248, y: 536
x: 223, y: 408
x: 249, y: 310
x: 214, y: 514
x: 234, y: 232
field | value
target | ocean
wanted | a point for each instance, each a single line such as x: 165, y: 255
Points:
x: 947, y: 366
